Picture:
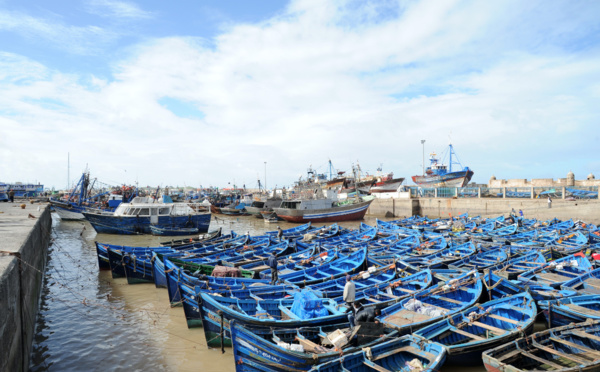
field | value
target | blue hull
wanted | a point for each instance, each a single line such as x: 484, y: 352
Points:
x: 132, y: 225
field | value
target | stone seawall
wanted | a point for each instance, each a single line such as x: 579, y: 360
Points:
x: 24, y: 239
x: 586, y: 210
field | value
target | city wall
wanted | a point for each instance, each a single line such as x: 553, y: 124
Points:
x: 587, y: 210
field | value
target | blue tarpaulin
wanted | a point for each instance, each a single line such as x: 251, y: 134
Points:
x: 308, y: 306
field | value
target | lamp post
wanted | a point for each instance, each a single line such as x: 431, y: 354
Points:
x: 266, y: 177
x: 423, y: 143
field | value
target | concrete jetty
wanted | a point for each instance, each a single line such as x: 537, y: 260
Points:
x: 24, y: 239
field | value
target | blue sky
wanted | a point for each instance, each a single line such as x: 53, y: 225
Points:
x: 205, y: 92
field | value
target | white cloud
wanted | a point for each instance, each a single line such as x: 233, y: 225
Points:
x: 321, y: 80
x: 118, y: 9
x: 73, y: 39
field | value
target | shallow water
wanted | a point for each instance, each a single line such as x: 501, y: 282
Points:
x: 91, y: 322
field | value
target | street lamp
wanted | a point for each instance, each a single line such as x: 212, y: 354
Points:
x: 266, y: 177
x: 423, y: 143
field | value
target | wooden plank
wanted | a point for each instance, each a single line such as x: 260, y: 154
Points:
x: 541, y: 360
x: 287, y: 312
x: 575, y: 345
x: 376, y: 367
x: 553, y: 278
x: 405, y: 317
x: 585, y: 335
x: 467, y: 334
x: 451, y: 300
x: 489, y: 327
x: 582, y: 309
x: 308, y: 345
x: 404, y: 290
x: 500, y: 317
x: 571, y: 357
x: 407, y: 349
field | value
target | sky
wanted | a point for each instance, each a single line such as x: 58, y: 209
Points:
x: 217, y: 93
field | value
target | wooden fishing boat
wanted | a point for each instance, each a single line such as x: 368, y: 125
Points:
x: 588, y: 283
x: 191, y: 294
x: 402, y: 354
x: 432, y: 304
x: 173, y: 231
x: 512, y: 268
x: 559, y: 271
x: 498, y: 287
x: 207, y: 237
x: 387, y: 293
x: 341, y: 267
x: 574, y: 309
x: 572, y: 348
x: 444, y: 257
x: 568, y: 244
x: 282, y: 350
x: 261, y: 316
x: 368, y: 279
x: 466, y: 334
x: 480, y: 261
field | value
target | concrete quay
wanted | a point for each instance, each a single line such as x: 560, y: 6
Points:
x: 587, y: 210
x: 24, y: 240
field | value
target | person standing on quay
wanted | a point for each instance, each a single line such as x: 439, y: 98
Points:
x: 11, y: 195
x: 521, y: 212
x: 349, y: 296
x: 549, y: 202
x: 279, y: 233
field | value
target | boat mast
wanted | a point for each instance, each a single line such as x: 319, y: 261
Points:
x: 451, y: 150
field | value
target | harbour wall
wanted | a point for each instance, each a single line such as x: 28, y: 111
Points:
x: 587, y: 210
x: 24, y: 239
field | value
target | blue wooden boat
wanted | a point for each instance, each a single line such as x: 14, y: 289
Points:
x: 498, y: 287
x: 572, y: 348
x: 363, y: 280
x: 433, y: 304
x: 394, y: 355
x: 569, y: 310
x: 173, y: 231
x: 443, y: 258
x: 190, y: 296
x: 466, y: 334
x: 480, y: 261
x: 261, y: 316
x: 511, y: 268
x: 557, y: 272
x: 341, y: 267
x: 292, y: 232
x: 206, y: 238
x: 285, y: 350
x: 387, y: 293
x: 496, y: 233
x: 137, y: 217
x: 568, y: 244
x: 588, y: 283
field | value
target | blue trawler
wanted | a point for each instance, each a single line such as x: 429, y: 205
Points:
x: 137, y: 217
x: 440, y: 175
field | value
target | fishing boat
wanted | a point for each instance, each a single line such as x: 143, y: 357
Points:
x: 72, y: 206
x: 173, y: 231
x: 512, y: 268
x: 572, y: 348
x: 440, y: 175
x: 210, y: 236
x: 480, y: 261
x: 555, y: 273
x: 386, y: 183
x: 588, y: 283
x: 482, y: 327
x: 404, y: 354
x: 351, y: 264
x: 296, y: 350
x: 575, y: 309
x: 432, y: 304
x: 324, y: 210
x: 261, y: 316
x: 137, y: 217
x: 498, y: 287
